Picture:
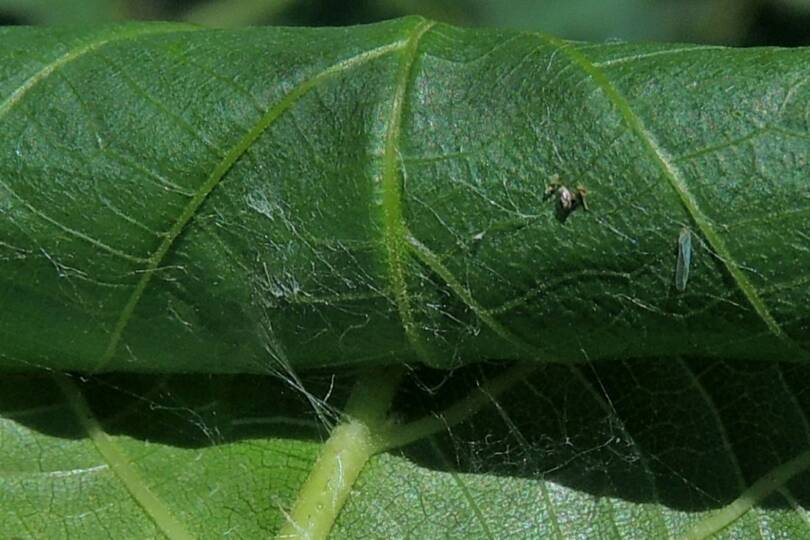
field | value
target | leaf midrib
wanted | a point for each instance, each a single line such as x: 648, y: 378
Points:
x: 394, y: 228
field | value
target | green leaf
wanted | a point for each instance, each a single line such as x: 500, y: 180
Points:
x: 176, y: 199
x: 643, y: 449
x: 248, y: 205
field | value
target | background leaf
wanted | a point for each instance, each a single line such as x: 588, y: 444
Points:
x: 66, y: 12
x: 170, y: 204
x: 638, y: 450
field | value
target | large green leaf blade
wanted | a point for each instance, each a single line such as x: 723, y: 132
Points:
x: 188, y: 200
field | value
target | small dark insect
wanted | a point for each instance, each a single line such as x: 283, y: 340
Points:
x: 567, y: 201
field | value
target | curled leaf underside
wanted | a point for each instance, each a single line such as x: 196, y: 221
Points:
x: 176, y: 199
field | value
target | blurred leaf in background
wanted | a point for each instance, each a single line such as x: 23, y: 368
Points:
x: 728, y: 22
x: 62, y: 12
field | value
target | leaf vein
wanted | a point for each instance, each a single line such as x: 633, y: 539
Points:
x: 120, y: 464
x: 718, y: 422
x: 394, y: 230
x: 181, y: 122
x: 465, y: 492
x: 758, y: 491
x: 74, y: 54
x: 664, y: 52
x: 554, y: 520
x: 72, y: 232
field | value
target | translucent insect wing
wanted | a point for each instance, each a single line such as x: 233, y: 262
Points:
x: 684, y: 259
